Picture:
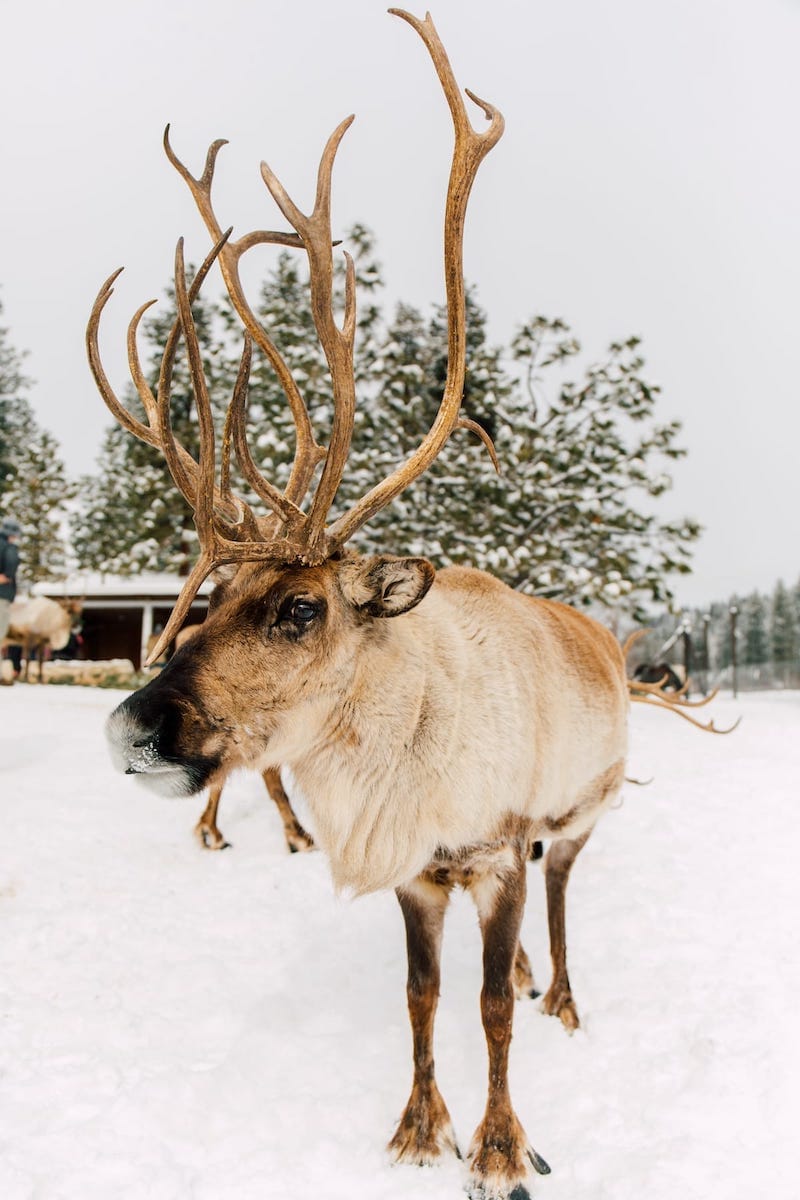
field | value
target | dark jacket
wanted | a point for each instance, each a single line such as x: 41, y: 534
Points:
x: 9, y: 561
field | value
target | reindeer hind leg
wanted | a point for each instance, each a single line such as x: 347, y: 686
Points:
x: 524, y: 986
x: 558, y: 1001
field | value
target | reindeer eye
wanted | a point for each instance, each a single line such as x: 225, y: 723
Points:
x: 303, y: 611
x: 297, y: 615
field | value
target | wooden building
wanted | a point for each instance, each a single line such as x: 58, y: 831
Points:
x: 121, y: 614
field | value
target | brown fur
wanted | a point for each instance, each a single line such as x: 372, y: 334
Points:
x: 207, y: 830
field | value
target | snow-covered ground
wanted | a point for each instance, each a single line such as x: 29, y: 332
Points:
x: 183, y: 1025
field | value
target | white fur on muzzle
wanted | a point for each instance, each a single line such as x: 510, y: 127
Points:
x: 135, y: 753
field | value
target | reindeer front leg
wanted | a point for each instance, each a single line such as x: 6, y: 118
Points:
x: 206, y: 828
x: 500, y: 1153
x: 296, y: 837
x: 425, y: 1128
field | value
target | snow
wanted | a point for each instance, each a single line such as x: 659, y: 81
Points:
x: 184, y: 1025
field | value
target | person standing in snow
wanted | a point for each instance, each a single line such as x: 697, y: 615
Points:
x: 9, y: 561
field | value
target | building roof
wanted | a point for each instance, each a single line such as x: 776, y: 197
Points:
x: 91, y: 585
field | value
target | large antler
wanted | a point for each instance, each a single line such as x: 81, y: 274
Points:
x: 655, y: 695
x: 469, y: 150
x: 227, y: 528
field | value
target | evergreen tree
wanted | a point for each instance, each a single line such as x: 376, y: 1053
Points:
x: 565, y: 518
x: 447, y: 512
x: 13, y: 387
x: 783, y: 629
x: 591, y: 460
x: 33, y: 482
x: 37, y: 495
x: 753, y: 617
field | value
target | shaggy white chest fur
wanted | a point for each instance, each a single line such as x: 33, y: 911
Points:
x: 474, y: 708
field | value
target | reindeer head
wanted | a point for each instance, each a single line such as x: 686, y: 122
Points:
x: 294, y: 620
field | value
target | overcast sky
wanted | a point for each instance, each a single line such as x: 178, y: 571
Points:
x: 648, y: 182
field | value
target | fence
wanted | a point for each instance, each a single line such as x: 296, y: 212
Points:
x: 751, y: 677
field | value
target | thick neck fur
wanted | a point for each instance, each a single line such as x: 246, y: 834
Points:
x: 445, y: 728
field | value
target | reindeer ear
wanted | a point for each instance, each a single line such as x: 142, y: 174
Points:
x: 385, y: 587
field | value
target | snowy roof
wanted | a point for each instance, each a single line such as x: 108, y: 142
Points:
x: 93, y: 585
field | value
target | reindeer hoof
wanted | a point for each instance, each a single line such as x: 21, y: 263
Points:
x: 560, y: 1004
x: 211, y: 839
x: 425, y: 1131
x: 299, y: 842
x: 499, y: 1157
x: 539, y: 1165
x: 421, y: 1146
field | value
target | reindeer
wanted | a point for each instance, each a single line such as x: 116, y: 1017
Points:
x: 438, y: 723
x: 659, y: 673
x: 38, y: 624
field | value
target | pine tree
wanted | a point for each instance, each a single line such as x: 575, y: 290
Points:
x: 591, y: 457
x: 447, y: 512
x: 13, y: 387
x: 754, y: 630
x: 565, y: 518
x: 783, y: 629
x: 37, y: 496
x: 33, y: 481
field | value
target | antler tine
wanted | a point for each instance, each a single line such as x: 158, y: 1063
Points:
x: 480, y: 432
x: 183, y: 467
x: 237, y: 406
x: 308, y: 454
x: 631, y: 639
x: 118, y: 411
x: 199, y: 573
x: 204, y: 491
x: 337, y: 344
x: 150, y: 434
x: 206, y: 496
x: 656, y: 702
x: 187, y: 473
x: 286, y: 514
x: 675, y: 699
x: 469, y: 150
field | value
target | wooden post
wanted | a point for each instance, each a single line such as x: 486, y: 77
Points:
x: 706, y: 653
x: 733, y: 612
x: 687, y: 653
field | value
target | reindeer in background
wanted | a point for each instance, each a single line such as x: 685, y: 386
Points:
x: 39, y: 624
x: 438, y: 723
